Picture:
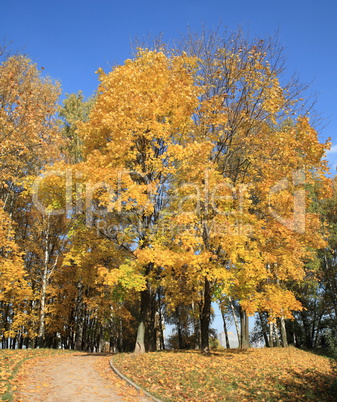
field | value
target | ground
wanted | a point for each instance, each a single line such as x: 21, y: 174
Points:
x: 77, y: 377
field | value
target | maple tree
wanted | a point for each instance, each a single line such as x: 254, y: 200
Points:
x: 93, y: 308
x: 314, y: 326
x: 188, y: 142
x: 142, y: 107
x: 185, y: 180
x: 14, y: 289
x: 229, y: 237
x: 27, y: 106
x: 28, y: 137
x: 75, y: 109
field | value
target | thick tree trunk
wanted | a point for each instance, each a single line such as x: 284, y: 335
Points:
x: 150, y: 324
x: 20, y: 346
x: 277, y: 336
x: 146, y: 332
x: 205, y: 317
x: 140, y: 342
x: 144, y: 308
x: 264, y: 329
x: 244, y: 321
x: 283, y: 332
x: 307, y: 330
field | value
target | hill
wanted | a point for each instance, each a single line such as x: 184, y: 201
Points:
x: 276, y: 374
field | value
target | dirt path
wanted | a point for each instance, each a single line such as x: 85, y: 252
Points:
x: 77, y: 377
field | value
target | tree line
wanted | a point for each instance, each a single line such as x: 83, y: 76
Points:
x: 192, y: 176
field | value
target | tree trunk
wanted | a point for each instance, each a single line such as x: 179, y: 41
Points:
x: 236, y: 323
x: 79, y: 317
x: 315, y: 340
x: 196, y: 328
x: 205, y: 317
x: 144, y: 307
x: 271, y: 334
x: 283, y: 332
x: 307, y: 331
x: 226, y: 335
x: 20, y: 342
x: 157, y: 330
x: 264, y: 329
x: 47, y: 272
x: 140, y: 342
x: 180, y: 338
x: 244, y: 334
x: 277, y: 337
x: 225, y: 328
x: 41, y: 331
x: 150, y: 324
x: 161, y: 330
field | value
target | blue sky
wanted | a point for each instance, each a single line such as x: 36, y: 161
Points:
x: 72, y: 39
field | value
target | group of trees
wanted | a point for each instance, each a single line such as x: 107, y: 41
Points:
x: 192, y: 176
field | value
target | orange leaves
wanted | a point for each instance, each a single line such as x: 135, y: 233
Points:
x: 13, y: 287
x: 26, y: 126
x: 259, y: 374
x: 274, y: 299
x: 10, y: 363
x: 197, y: 180
x: 151, y: 96
x: 29, y: 139
x: 128, y: 275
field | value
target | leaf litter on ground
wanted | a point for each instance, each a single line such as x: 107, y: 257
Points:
x: 10, y: 363
x: 273, y: 374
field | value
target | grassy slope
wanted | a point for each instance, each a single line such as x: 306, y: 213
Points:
x: 277, y: 374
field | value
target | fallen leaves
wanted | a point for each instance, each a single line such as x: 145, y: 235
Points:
x: 10, y: 363
x: 253, y: 375
x: 124, y: 390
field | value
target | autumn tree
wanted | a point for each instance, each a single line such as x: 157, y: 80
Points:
x: 315, y: 325
x: 215, y: 179
x: 141, y: 108
x: 75, y: 109
x: 242, y: 113
x: 236, y: 183
x: 28, y: 138
x: 28, y: 104
x: 15, y: 291
x: 188, y: 183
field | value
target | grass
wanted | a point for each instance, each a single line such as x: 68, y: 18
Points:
x: 267, y: 375
x: 278, y: 374
x: 10, y: 362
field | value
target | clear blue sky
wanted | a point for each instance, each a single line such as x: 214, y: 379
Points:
x: 72, y: 39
